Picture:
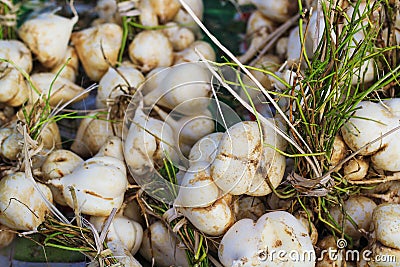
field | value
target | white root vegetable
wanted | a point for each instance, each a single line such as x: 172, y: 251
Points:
x: 363, y: 262
x: 359, y: 209
x: 165, y: 9
x: 258, y: 24
x: 97, y: 48
x: 179, y: 176
x: 6, y: 236
x: 205, y: 149
x: 313, y: 35
x: 148, y: 16
x: 278, y: 11
x: 250, y: 244
x: 147, y: 143
x: 356, y: 169
x: 71, y: 68
x: 47, y: 36
x: 92, y: 134
x: 133, y: 211
x: 14, y: 91
x: 6, y: 114
x: 58, y: 164
x: 123, y: 255
x: 339, y: 151
x: 272, y: 164
x: 268, y: 62
x: 214, y: 219
x: 151, y: 49
x: 10, y: 143
x: 281, y: 47
x: 116, y: 82
x: 386, y: 243
x: 112, y: 147
x: 154, y: 79
x: 21, y: 205
x: 184, y: 18
x: 293, y: 47
x: 276, y: 203
x: 17, y: 52
x: 237, y: 158
x: 242, y: 163
x: 185, y: 89
x: 179, y: 37
x: 189, y: 129
x: 62, y: 89
x: 106, y: 9
x: 197, y: 189
x: 190, y: 54
x: 258, y: 29
x: 386, y: 223
x: 160, y: 244
x: 371, y: 121
x: 99, y: 184
x: 122, y: 230
x: 50, y: 136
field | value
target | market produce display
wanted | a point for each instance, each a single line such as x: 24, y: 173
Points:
x: 130, y: 133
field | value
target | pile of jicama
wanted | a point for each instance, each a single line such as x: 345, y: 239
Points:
x: 158, y: 111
